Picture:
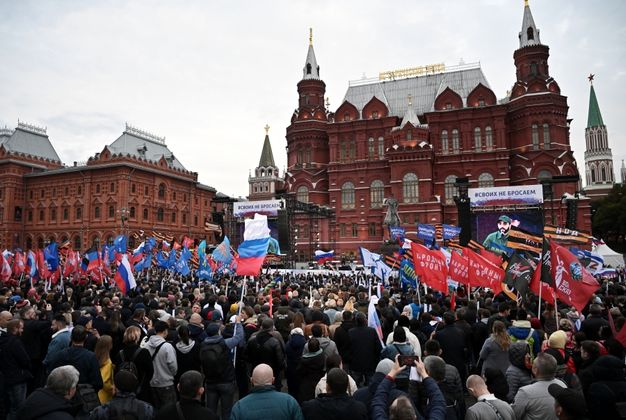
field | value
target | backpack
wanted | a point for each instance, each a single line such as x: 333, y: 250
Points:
x: 129, y: 365
x: 530, y: 340
x: 120, y: 413
x: 215, y: 358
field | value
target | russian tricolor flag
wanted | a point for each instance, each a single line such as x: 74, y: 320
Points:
x: 124, y: 277
x: 253, y: 249
x: 322, y: 256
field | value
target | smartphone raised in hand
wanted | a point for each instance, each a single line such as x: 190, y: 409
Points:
x: 405, y: 360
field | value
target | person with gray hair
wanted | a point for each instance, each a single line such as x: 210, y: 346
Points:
x: 53, y: 401
x: 533, y: 401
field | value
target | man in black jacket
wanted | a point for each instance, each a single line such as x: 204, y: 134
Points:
x: 591, y: 326
x: 453, y: 344
x: 342, y: 338
x: 336, y: 403
x: 125, y: 401
x: 365, y: 350
x: 263, y: 347
x: 36, y: 337
x: 15, y: 366
x: 189, y: 407
x: 81, y: 358
x: 53, y: 401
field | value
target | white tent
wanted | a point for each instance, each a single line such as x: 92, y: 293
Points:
x: 611, y: 258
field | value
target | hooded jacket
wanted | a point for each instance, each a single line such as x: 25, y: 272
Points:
x: 197, y: 332
x: 521, y: 330
x: 164, y: 363
x: 187, y: 357
x: 334, y: 407
x: 310, y: 371
x: 517, y: 374
x: 228, y: 374
x: 327, y: 345
x: 608, y: 389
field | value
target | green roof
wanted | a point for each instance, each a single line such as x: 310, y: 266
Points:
x: 267, y: 157
x: 594, y: 119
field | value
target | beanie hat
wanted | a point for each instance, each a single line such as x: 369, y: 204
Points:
x: 557, y: 340
x: 233, y: 308
x: 384, y: 366
x: 213, y: 329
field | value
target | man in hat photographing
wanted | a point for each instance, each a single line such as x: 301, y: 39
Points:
x: 496, y: 241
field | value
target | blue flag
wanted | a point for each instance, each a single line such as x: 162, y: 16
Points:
x: 450, y: 232
x: 171, y: 261
x: 408, y: 277
x: 51, y: 255
x: 426, y: 232
x: 182, y: 265
x: 150, y: 243
x: 162, y: 260
x: 119, y: 244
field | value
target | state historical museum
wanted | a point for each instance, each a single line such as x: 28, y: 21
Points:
x: 412, y: 134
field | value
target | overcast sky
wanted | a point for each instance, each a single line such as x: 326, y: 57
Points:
x: 208, y: 75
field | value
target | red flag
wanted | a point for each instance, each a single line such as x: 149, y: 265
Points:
x: 187, y: 242
x: 547, y: 292
x: 18, y: 264
x: 453, y: 301
x: 5, y: 268
x: 271, y: 302
x: 431, y: 267
x: 574, y: 285
x: 483, y: 273
x: 71, y: 263
x: 458, y: 269
x: 42, y: 267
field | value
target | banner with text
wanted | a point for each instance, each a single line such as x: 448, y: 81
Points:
x: 249, y: 208
x: 506, y: 196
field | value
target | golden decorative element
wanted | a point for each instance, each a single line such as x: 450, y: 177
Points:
x: 412, y: 71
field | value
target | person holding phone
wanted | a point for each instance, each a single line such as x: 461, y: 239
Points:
x: 403, y: 407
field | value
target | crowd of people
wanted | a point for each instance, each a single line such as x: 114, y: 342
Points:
x: 302, y: 348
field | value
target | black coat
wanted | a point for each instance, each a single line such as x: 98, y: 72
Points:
x: 44, y: 404
x: 36, y: 337
x: 309, y: 372
x: 143, y: 362
x: 84, y: 361
x: 591, y: 327
x: 14, y: 360
x: 342, y: 340
x: 453, y: 346
x: 265, y: 348
x: 365, y: 349
x: 192, y: 409
x: 366, y: 393
x: 330, y: 407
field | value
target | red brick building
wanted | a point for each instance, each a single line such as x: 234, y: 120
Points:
x: 135, y: 183
x: 411, y: 133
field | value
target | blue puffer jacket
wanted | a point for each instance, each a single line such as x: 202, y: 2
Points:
x: 521, y: 330
x: 264, y: 402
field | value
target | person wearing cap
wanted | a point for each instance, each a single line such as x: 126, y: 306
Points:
x: 532, y: 402
x: 219, y: 381
x: 124, y: 402
x: 568, y: 404
x: 487, y: 407
x: 496, y: 241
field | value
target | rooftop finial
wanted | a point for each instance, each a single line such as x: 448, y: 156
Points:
x: 267, y: 129
x: 310, y: 36
x: 327, y: 102
x: 525, y: 3
x: 590, y: 77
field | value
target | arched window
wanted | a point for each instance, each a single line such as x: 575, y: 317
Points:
x: 109, y: 240
x: 451, y: 190
x: 477, y: 139
x: 377, y: 193
x: 96, y: 242
x: 160, y: 214
x: 173, y: 217
x: 603, y: 173
x: 112, y: 187
x: 302, y: 194
x: 145, y: 214
x: 308, y: 67
x: 543, y: 175
x: 370, y: 148
x: 77, y: 243
x: 184, y: 218
x: 347, y: 195
x: 444, y: 142
x: 455, y: 141
x: 485, y: 180
x: 381, y: 147
x: 66, y: 213
x: 410, y: 191
x: 530, y: 33
x: 96, y: 212
x: 352, y: 150
x: 546, y: 136
x: 133, y: 188
x: 53, y: 213
x: 132, y: 212
x: 489, y: 138
x: 111, y: 212
x: 79, y: 213
x: 593, y: 174
x: 535, y: 136
x: 161, y: 190
x: 97, y: 188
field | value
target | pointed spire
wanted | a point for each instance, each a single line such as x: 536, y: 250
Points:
x: 311, y: 70
x: 409, y: 115
x: 529, y: 34
x: 594, y: 118
x: 267, y: 157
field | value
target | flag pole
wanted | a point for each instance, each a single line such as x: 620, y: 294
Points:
x: 556, y: 311
x: 243, y: 288
x: 540, y: 288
